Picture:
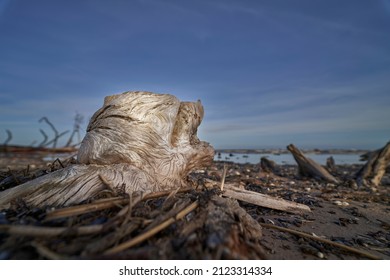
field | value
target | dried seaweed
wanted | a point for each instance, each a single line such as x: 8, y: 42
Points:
x: 112, y: 225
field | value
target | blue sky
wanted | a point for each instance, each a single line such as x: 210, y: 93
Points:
x: 269, y: 73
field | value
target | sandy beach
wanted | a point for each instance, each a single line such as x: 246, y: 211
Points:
x: 356, y: 218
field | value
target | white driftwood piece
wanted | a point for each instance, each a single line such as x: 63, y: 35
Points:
x: 232, y: 191
x: 138, y: 141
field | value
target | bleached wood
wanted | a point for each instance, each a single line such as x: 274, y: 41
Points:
x: 265, y: 200
x: 138, y: 141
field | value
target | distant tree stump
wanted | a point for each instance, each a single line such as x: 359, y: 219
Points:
x: 330, y: 164
x: 138, y: 141
x: 373, y: 171
x: 268, y: 166
x: 310, y: 168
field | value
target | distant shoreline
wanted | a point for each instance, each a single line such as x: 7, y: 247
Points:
x: 285, y: 151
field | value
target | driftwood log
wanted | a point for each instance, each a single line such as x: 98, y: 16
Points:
x: 137, y: 142
x: 372, y: 172
x: 310, y: 168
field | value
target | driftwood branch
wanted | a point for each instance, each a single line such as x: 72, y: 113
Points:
x: 78, y: 120
x: 45, y: 137
x: 375, y: 167
x: 310, y: 168
x: 266, y: 201
x: 45, y: 119
x: 55, y: 139
x: 57, y: 135
x: 9, y: 137
x: 138, y: 141
x: 230, y: 190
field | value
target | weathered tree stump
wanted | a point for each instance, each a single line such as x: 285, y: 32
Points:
x: 373, y: 171
x: 138, y: 141
x: 310, y: 168
x: 268, y: 166
x: 330, y: 164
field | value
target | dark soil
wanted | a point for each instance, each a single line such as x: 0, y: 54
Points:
x: 219, y: 228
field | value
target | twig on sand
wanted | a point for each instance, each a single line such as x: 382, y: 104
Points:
x: 103, y: 204
x: 85, y: 208
x: 144, y: 236
x: 323, y: 240
x: 39, y: 231
x: 46, y: 252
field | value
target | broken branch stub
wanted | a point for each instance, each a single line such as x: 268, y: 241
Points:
x: 375, y: 167
x: 310, y: 168
x: 138, y: 141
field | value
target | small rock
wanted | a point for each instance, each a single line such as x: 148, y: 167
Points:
x: 340, y: 203
x: 320, y: 255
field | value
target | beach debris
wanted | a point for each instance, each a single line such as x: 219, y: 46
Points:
x: 222, y: 221
x: 330, y: 164
x: 310, y: 168
x: 78, y: 120
x: 157, y: 226
x: 323, y: 240
x: 232, y: 191
x: 45, y: 137
x: 138, y: 141
x: 340, y: 203
x: 9, y: 137
x: 268, y: 166
x: 57, y: 135
x: 372, y: 172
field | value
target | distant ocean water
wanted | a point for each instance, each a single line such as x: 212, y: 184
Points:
x: 288, y: 158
